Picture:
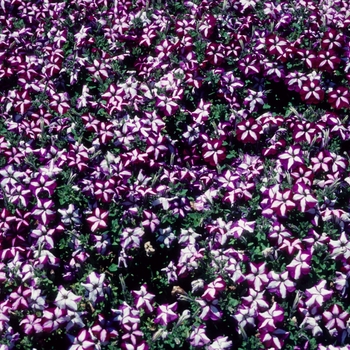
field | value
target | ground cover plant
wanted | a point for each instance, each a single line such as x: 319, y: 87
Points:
x: 174, y: 174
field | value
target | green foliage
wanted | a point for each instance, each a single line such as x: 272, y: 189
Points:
x: 298, y: 223
x: 200, y: 47
x: 25, y: 343
x: 334, y: 144
x: 322, y: 265
x: 252, y: 343
x: 67, y: 194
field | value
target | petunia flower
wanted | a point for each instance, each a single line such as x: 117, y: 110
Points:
x: 210, y: 310
x: 198, y: 338
x: 94, y: 286
x: 130, y: 320
x: 166, y: 314
x: 213, y: 289
x: 255, y: 300
x: 131, y: 237
x: 275, y: 339
x: 98, y: 219
x: 335, y: 319
x: 292, y: 158
x: 317, y: 295
x: 70, y: 215
x: 270, y: 319
x: 282, y: 203
x: 213, y: 152
x: 82, y: 341
x: 53, y: 319
x: 31, y: 324
x: 254, y: 100
x: 300, y: 265
x: 312, y: 324
x: 248, y: 131
x: 340, y: 248
x: 221, y: 343
x: 66, y: 299
x: 166, y: 236
x: 258, y: 276
x: 245, y: 317
x: 280, y: 284
x: 143, y: 299
x: 42, y: 211
x: 171, y: 271
x: 74, y: 319
x: 150, y: 220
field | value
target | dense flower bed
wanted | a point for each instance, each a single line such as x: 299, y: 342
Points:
x: 174, y: 174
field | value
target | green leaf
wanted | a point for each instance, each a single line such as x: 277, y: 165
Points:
x: 113, y: 268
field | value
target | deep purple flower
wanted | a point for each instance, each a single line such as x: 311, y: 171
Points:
x: 257, y: 278
x: 18, y: 194
x: 98, y: 219
x: 19, y: 298
x: 220, y: 343
x: 210, y: 310
x: 295, y: 80
x: 215, y: 53
x: 22, y: 219
x: 322, y: 161
x: 245, y: 317
x: 249, y: 65
x: 42, y: 184
x: 143, y: 299
x: 292, y: 157
x: 300, y: 265
x: 282, y: 202
x: 302, y: 175
x: 332, y: 40
x: 130, y: 320
x: 31, y: 324
x: 42, y: 211
x: 248, y: 131
x: 255, y: 300
x: 54, y: 319
x: 213, y: 289
x: 336, y: 319
x: 150, y: 220
x: 214, y: 152
x: 207, y: 25
x: 95, y: 286
x: 198, y: 338
x: 66, y: 299
x: 241, y: 226
x: 131, y: 342
x: 82, y: 341
x: 274, y: 340
x: 270, y: 319
x: 312, y: 324
x: 317, y: 295
x: 280, y: 284
x: 328, y: 61
x: 156, y: 146
x: 201, y: 114
x: 166, y: 314
x: 312, y: 92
